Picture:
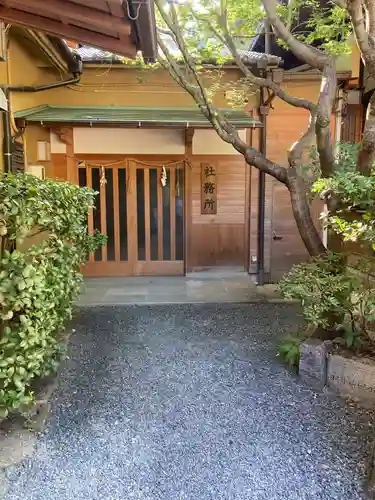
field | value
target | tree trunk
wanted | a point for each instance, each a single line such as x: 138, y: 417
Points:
x: 366, y: 153
x: 302, y: 215
x: 311, y: 239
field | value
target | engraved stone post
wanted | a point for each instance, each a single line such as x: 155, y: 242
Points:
x: 353, y: 377
x: 313, y: 362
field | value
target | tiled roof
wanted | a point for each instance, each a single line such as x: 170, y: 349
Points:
x: 251, y: 57
x: 135, y: 116
x: 93, y: 55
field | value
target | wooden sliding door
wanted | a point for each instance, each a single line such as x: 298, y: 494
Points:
x: 142, y: 218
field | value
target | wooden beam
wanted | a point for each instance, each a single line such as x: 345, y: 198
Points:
x: 116, y: 217
x: 103, y: 217
x: 63, y: 134
x: 172, y: 201
x: 90, y: 220
x: 73, y: 12
x: 71, y: 162
x: 116, y: 8
x: 189, y: 134
x: 123, y: 47
x: 146, y: 183
x: 132, y: 212
x: 160, y: 215
x: 102, y: 5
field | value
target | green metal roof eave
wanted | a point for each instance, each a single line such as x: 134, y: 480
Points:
x: 137, y: 123
x: 131, y: 116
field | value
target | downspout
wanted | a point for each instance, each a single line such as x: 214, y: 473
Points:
x: 262, y: 192
x: 7, y: 139
x: 7, y: 146
x: 55, y: 85
x: 262, y: 176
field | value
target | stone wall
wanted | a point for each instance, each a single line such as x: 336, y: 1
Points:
x: 353, y: 377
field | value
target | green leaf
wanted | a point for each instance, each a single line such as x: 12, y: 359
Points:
x: 8, y: 315
x: 21, y: 370
x: 27, y: 271
x: 18, y: 382
x: 350, y: 337
x: 3, y: 412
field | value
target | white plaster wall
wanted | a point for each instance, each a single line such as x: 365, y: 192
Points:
x: 128, y: 141
x: 56, y: 145
x: 207, y: 142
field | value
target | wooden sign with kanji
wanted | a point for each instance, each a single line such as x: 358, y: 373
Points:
x: 208, y: 189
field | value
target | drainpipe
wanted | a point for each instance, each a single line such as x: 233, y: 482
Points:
x: 55, y: 85
x: 262, y: 176
x: 262, y: 192
x: 76, y: 69
x: 7, y: 143
x: 7, y: 140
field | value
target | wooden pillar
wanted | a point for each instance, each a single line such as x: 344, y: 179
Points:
x: 249, y: 138
x: 71, y: 162
x: 189, y: 134
x: 64, y: 165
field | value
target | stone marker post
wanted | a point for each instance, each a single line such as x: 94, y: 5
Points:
x: 313, y: 362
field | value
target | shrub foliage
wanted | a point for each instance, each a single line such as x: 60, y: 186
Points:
x: 332, y: 293
x: 289, y: 350
x: 39, y: 284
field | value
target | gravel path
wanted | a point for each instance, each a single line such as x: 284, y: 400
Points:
x: 190, y: 403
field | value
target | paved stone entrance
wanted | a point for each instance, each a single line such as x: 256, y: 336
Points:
x: 207, y: 287
x: 190, y: 403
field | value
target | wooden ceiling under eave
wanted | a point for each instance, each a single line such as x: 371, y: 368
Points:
x: 119, y: 26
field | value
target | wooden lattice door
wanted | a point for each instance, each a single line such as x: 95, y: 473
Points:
x: 142, y: 219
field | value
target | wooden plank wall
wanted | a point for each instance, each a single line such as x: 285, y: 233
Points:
x: 220, y: 239
x: 285, y: 126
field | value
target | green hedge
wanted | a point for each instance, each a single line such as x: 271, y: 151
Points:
x: 38, y: 285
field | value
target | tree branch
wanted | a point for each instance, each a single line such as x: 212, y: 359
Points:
x: 323, y: 119
x: 366, y: 153
x: 252, y: 156
x: 290, y: 177
x: 258, y: 160
x: 365, y: 35
x: 355, y: 10
x: 312, y: 56
x: 324, y: 63
x: 296, y: 151
x: 227, y: 40
x: 170, y: 64
x: 365, y: 44
x: 175, y: 33
x: 164, y: 31
x: 370, y: 14
x: 225, y: 130
x: 302, y: 214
